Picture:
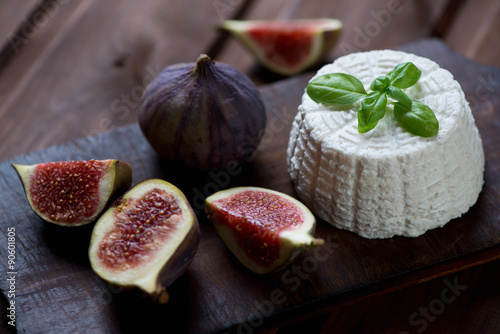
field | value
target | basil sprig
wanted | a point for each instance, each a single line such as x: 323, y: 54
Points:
x: 340, y: 89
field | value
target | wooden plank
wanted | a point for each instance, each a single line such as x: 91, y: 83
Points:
x: 473, y: 32
x: 405, y: 310
x: 368, y: 25
x: 20, y: 73
x: 12, y: 13
x: 433, y: 308
x: 87, y: 67
x: 12, y: 16
x: 57, y: 289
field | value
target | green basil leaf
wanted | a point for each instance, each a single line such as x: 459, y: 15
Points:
x: 371, y: 111
x: 336, y: 89
x: 404, y: 75
x: 400, y: 96
x: 418, y: 120
x: 380, y: 84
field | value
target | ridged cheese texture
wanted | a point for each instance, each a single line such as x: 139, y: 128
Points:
x: 387, y: 182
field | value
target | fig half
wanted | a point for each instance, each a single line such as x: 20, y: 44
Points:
x: 263, y: 228
x: 147, y: 239
x: 73, y: 193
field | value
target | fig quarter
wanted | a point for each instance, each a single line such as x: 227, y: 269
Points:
x: 73, y: 193
x: 265, y: 229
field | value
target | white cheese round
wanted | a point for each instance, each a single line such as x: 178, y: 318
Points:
x: 387, y: 181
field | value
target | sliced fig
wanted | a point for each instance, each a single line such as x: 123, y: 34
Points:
x: 73, y: 193
x: 146, y: 240
x: 286, y: 47
x: 263, y: 228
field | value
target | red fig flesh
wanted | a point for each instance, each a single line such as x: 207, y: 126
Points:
x: 146, y: 239
x: 264, y: 229
x: 73, y: 193
x: 286, y: 47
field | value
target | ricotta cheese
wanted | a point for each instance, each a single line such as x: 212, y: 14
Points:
x: 387, y: 182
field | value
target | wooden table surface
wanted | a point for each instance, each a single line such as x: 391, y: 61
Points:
x: 74, y: 68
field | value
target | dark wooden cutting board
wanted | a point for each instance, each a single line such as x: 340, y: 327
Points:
x: 56, y: 290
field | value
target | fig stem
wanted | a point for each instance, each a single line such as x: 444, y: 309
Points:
x: 204, y: 65
x: 314, y: 242
x: 163, y: 297
x: 318, y: 242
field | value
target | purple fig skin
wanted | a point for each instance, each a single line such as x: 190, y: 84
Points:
x: 204, y: 114
x: 180, y: 261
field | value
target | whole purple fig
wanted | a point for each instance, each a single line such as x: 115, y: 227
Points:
x: 207, y: 115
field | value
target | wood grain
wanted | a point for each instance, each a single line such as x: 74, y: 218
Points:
x: 468, y: 26
x: 94, y: 59
x: 473, y: 32
x: 396, y: 312
x: 59, y: 290
x: 15, y: 26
